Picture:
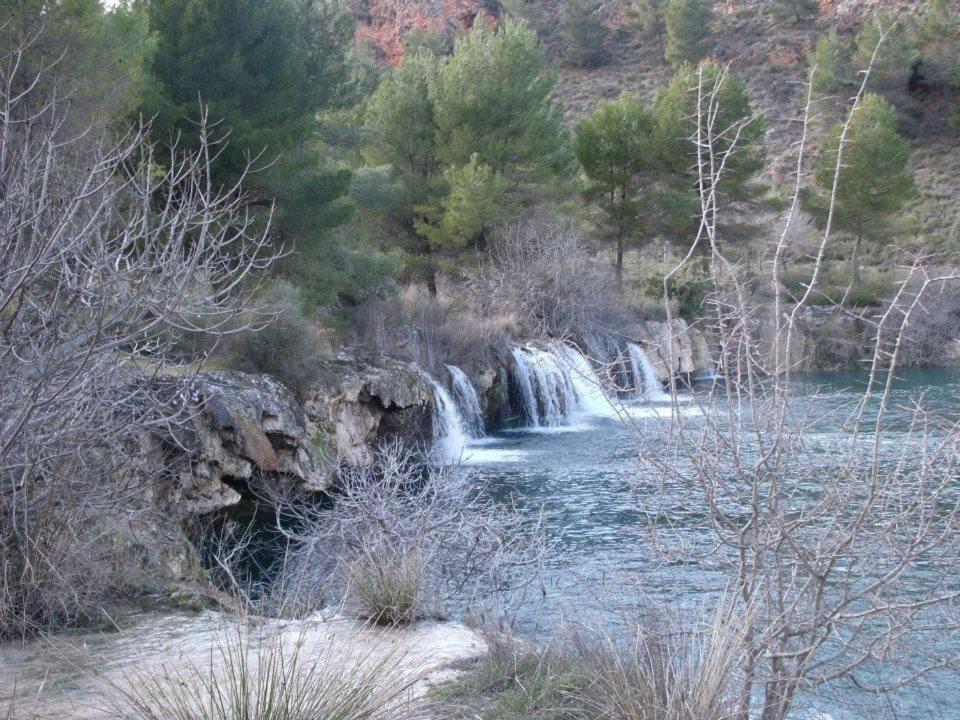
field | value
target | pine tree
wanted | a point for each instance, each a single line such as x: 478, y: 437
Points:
x: 875, y: 181
x: 616, y: 147
x: 461, y: 130
x: 584, y: 34
x: 897, y: 55
x: 263, y: 69
x: 798, y: 10
x: 939, y: 41
x: 675, y: 109
x: 688, y: 33
x: 401, y: 117
x: 492, y: 98
x: 650, y: 16
x: 102, y: 57
x: 833, y: 69
x: 474, y: 201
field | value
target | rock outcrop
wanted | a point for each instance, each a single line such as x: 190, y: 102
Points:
x: 675, y: 348
x: 236, y: 430
x: 384, y: 26
x: 358, y: 402
x: 232, y: 428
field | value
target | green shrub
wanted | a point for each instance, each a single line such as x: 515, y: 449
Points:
x: 585, y: 34
x: 288, y: 347
x: 834, y: 285
x: 687, y: 292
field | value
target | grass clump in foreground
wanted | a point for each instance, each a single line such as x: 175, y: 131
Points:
x: 641, y: 673
x: 386, y: 588
x: 272, y: 675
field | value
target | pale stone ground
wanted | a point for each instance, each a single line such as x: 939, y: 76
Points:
x: 74, y: 677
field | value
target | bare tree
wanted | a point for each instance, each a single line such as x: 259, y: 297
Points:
x: 545, y: 274
x: 848, y: 558
x: 404, y: 539
x: 106, y: 249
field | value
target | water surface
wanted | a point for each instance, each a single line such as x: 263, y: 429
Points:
x: 598, y: 496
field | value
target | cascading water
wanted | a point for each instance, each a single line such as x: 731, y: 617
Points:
x: 645, y: 378
x: 449, y: 435
x: 524, y: 377
x: 587, y: 384
x: 557, y: 384
x: 466, y: 397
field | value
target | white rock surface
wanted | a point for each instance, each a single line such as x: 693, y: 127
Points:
x: 72, y: 677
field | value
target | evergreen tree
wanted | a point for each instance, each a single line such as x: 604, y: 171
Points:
x: 461, y: 131
x: 688, y: 30
x: 402, y: 119
x: 492, y: 98
x: 402, y: 125
x: 833, y: 67
x: 473, y: 202
x: 797, y: 10
x: 584, y: 33
x: 616, y: 147
x: 101, y: 58
x: 675, y: 109
x: 874, y: 183
x: 896, y: 58
x: 651, y: 19
x: 939, y: 41
x: 263, y: 69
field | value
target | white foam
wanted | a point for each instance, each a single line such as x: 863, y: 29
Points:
x: 484, y: 456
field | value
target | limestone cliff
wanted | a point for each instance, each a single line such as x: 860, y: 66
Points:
x: 233, y: 429
x: 359, y: 401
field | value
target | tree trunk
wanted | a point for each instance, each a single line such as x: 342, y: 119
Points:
x: 619, y: 264
x: 855, y: 280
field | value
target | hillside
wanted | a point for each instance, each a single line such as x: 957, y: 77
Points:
x: 768, y: 52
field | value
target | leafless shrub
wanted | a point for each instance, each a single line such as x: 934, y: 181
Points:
x: 933, y: 334
x: 661, y: 671
x: 847, y: 559
x: 104, y: 249
x: 405, y: 539
x: 433, y: 331
x: 546, y: 276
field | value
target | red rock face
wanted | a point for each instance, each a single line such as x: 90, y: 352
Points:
x: 382, y: 25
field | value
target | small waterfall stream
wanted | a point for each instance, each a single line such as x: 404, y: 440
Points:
x: 645, y: 378
x: 525, y: 377
x: 557, y: 385
x: 468, y: 401
x: 449, y: 434
x: 554, y: 385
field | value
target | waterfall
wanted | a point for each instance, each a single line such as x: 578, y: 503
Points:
x: 466, y: 397
x: 449, y: 435
x: 558, y: 384
x: 525, y: 380
x: 587, y: 384
x: 645, y: 378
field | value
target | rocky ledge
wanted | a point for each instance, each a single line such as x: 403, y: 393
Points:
x: 236, y: 430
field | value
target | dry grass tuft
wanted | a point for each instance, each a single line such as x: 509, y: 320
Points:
x: 257, y: 676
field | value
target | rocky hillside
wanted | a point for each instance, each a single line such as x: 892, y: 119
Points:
x: 767, y: 51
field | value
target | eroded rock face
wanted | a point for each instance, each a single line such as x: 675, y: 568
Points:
x: 361, y: 401
x: 675, y: 348
x: 384, y: 25
x: 237, y: 429
x: 234, y: 427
